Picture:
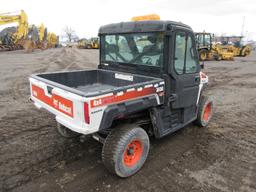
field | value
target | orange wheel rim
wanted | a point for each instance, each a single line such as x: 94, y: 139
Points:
x: 133, y: 153
x: 207, y: 112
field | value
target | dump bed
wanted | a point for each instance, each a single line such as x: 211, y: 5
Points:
x: 88, y: 100
x: 94, y: 82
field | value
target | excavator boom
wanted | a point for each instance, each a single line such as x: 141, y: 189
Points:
x: 21, y: 19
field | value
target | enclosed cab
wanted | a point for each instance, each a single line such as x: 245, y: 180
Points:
x: 148, y: 83
x: 204, y: 44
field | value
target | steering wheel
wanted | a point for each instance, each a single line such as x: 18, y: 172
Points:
x: 148, y: 61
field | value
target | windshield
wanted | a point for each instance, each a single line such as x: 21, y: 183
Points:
x: 203, y: 39
x: 136, y: 48
x: 207, y: 39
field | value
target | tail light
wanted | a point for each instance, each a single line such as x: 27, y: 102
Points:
x: 86, y: 113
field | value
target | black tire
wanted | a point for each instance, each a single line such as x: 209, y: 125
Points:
x: 203, y: 55
x: 65, y: 132
x: 205, y: 111
x: 218, y: 57
x: 117, y: 154
x: 245, y: 51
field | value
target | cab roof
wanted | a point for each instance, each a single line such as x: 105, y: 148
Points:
x: 140, y: 26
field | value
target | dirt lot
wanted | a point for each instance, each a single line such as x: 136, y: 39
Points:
x: 33, y: 157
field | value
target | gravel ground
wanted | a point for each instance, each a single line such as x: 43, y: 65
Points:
x: 33, y: 157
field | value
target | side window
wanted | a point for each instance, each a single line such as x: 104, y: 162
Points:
x: 191, y: 62
x: 180, y: 49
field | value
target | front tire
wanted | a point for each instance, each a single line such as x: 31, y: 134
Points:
x: 205, y: 111
x: 203, y: 55
x: 125, y: 150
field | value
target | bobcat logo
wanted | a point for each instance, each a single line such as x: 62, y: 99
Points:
x: 55, y: 102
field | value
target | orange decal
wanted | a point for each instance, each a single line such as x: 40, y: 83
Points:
x: 119, y: 98
x: 59, y: 103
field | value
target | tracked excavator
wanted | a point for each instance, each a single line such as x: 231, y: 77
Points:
x: 24, y: 35
x: 14, y: 38
x: 42, y: 31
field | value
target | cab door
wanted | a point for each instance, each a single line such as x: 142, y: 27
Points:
x: 184, y: 74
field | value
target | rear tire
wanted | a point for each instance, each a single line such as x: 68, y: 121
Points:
x: 205, y: 111
x: 125, y: 150
x: 245, y: 52
x: 65, y: 132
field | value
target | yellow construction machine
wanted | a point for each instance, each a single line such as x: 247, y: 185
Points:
x: 52, y: 40
x: 209, y: 51
x: 81, y: 43
x: 233, y: 44
x: 24, y: 36
x: 92, y: 43
x: 42, y: 30
x: 15, y: 38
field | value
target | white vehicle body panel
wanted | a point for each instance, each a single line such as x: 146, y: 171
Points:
x: 69, y: 109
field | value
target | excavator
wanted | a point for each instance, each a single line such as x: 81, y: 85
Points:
x: 209, y: 51
x: 46, y: 39
x: 24, y: 35
x: 52, y: 40
x: 14, y: 39
x: 42, y: 30
x: 236, y: 47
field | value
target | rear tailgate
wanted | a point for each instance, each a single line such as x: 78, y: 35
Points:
x: 69, y: 108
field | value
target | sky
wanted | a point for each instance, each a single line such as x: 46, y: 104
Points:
x: 86, y: 16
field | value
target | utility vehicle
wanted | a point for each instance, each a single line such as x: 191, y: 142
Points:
x: 148, y: 83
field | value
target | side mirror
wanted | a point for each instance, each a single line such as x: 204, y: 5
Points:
x: 202, y: 65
